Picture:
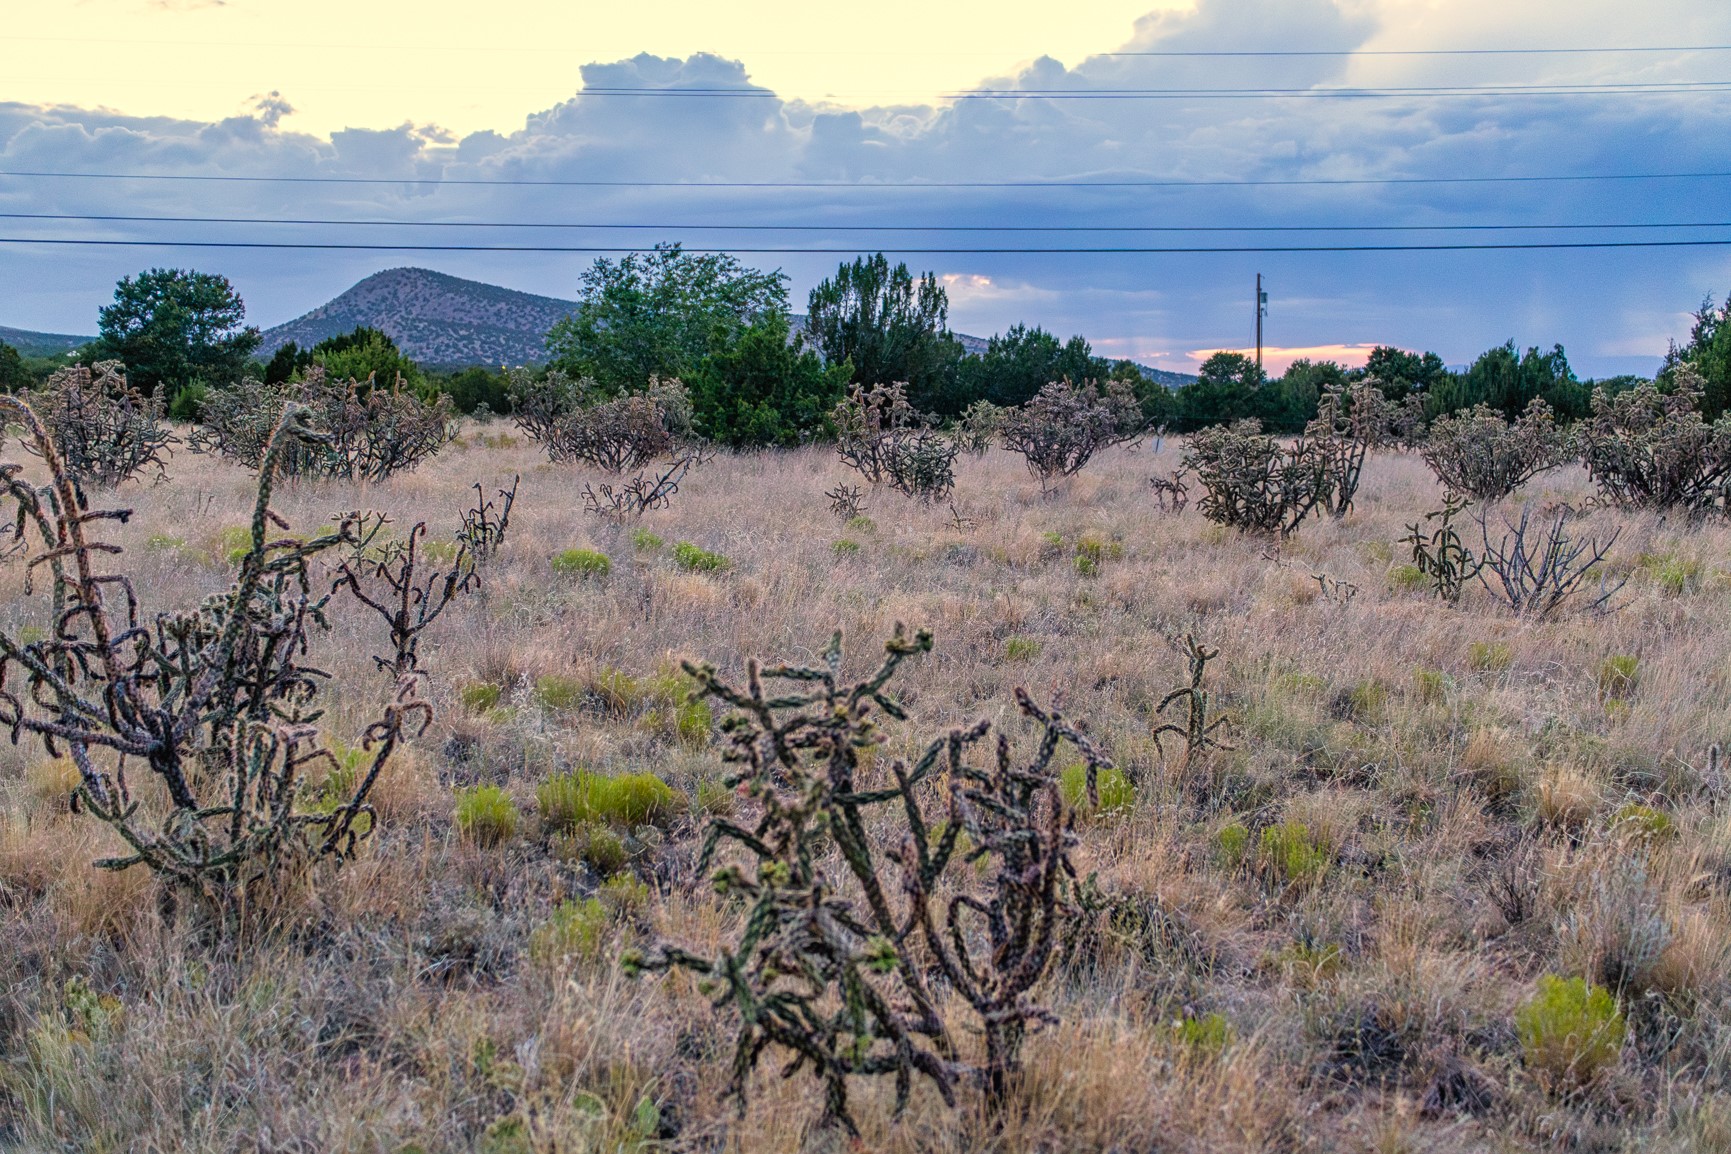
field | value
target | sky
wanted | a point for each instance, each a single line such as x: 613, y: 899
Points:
x: 905, y: 127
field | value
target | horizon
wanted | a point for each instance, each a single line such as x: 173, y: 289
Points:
x: 298, y: 137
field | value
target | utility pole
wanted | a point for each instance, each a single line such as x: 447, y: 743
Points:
x: 1261, y: 311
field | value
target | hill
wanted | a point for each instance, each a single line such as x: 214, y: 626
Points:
x: 435, y: 318
x: 41, y: 344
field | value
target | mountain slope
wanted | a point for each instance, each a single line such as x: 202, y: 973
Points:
x: 435, y: 318
x: 41, y: 344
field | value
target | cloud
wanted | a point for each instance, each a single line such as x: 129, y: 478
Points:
x: 1610, y: 308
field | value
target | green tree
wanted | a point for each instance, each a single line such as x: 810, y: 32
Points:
x: 1290, y: 402
x: 659, y: 314
x: 1022, y: 361
x: 286, y: 362
x: 1709, y: 350
x: 1401, y: 373
x: 14, y: 373
x: 475, y: 386
x: 764, y: 390
x: 367, y: 352
x: 175, y: 328
x: 889, y: 327
x: 1227, y: 388
x: 1508, y: 381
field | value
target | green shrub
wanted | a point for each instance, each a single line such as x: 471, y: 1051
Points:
x: 644, y: 541
x: 1569, y: 1031
x: 628, y: 799
x: 1432, y: 686
x: 581, y: 563
x: 1233, y: 841
x: 596, y: 846
x: 486, y: 816
x: 694, y: 560
x: 1643, y: 821
x: 1292, y: 854
x: 1021, y: 649
x: 1407, y: 578
x: 1490, y: 656
x: 861, y: 524
x: 846, y: 548
x: 1208, y: 1035
x: 479, y: 696
x: 1117, y: 795
x: 1617, y: 676
x: 576, y: 929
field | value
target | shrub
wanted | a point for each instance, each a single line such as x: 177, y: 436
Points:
x: 581, y: 563
x: 577, y: 421
x: 215, y: 706
x: 486, y: 816
x: 1233, y: 842
x: 1617, y: 675
x: 407, y: 597
x: 1569, y: 1031
x: 479, y: 696
x: 1290, y: 853
x: 1538, y: 574
x: 628, y: 799
x: 1648, y: 449
x: 847, y: 993
x: 845, y: 548
x: 1489, y: 656
x: 978, y: 426
x: 644, y: 541
x: 576, y: 929
x: 1116, y: 793
x: 1250, y: 482
x: 106, y: 431
x: 1478, y: 454
x: 1061, y: 428
x: 695, y: 560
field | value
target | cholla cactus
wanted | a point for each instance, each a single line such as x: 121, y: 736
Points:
x: 106, y: 431
x: 216, y: 705
x: 880, y: 434
x: 573, y: 421
x: 1477, y: 454
x: 834, y: 961
x: 367, y: 433
x: 1060, y: 429
x: 1250, y: 482
x: 483, y: 528
x: 1441, y: 556
x: 1653, y: 450
x: 391, y: 581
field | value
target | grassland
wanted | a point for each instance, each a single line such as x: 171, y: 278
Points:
x: 1330, y: 936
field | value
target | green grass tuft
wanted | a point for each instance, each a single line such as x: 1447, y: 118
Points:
x: 581, y: 563
x: 486, y: 816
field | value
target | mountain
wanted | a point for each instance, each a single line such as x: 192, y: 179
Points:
x: 434, y: 318
x: 41, y: 344
x: 1166, y: 377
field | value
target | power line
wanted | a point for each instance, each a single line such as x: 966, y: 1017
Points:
x: 1544, y: 178
x: 698, y: 227
x: 830, y: 250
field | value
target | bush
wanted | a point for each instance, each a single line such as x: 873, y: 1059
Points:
x: 105, y: 430
x: 1537, y: 574
x: 1116, y: 794
x: 629, y: 799
x: 581, y: 563
x: 486, y: 816
x: 1569, y: 1031
x: 364, y: 433
x: 1477, y: 454
x: 1255, y: 484
x: 695, y: 560
x: 1290, y: 853
x: 574, y: 421
x: 1064, y: 425
x: 1652, y: 450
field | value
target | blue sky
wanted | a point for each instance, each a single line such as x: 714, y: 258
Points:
x: 1614, y: 310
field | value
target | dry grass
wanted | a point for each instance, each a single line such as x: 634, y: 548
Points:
x: 1460, y: 784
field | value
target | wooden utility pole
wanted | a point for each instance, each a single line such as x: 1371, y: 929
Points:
x: 1261, y: 311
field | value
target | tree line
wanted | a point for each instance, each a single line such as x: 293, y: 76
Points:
x: 759, y: 375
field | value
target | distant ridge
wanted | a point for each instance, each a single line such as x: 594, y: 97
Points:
x: 41, y: 344
x: 435, y: 318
